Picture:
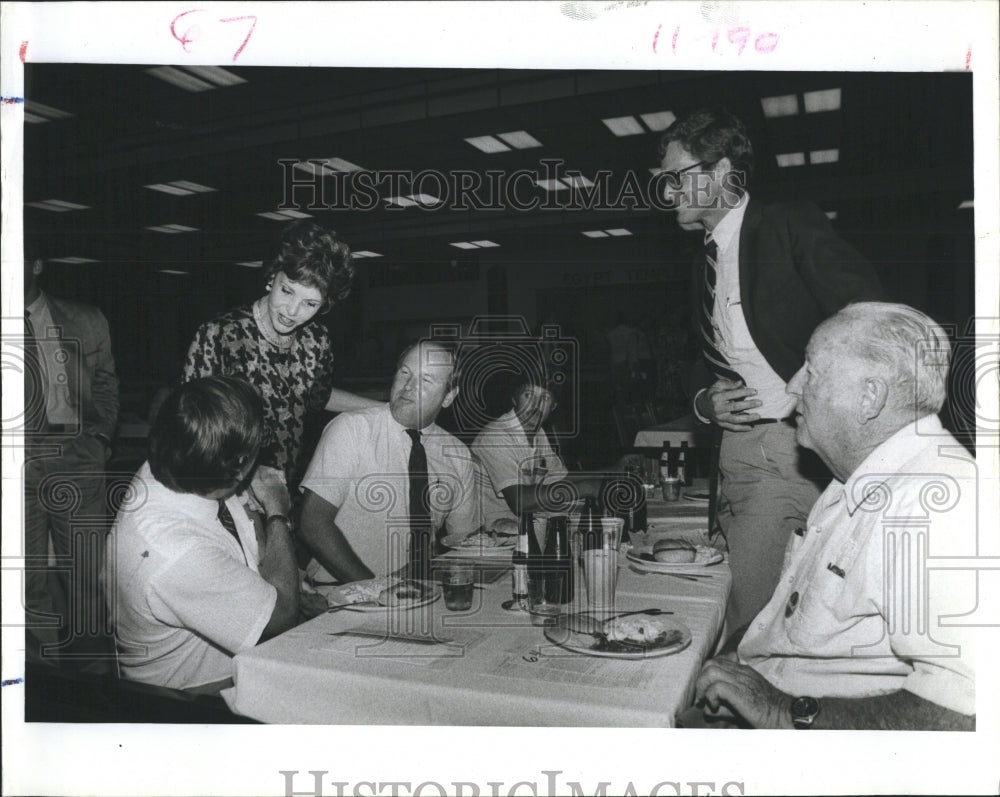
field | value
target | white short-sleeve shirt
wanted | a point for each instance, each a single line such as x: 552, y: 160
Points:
x: 184, y: 594
x: 861, y: 608
x: 507, y: 457
x: 361, y: 466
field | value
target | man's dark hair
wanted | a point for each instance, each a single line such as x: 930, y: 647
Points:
x: 711, y: 134
x: 205, y: 433
x: 313, y: 255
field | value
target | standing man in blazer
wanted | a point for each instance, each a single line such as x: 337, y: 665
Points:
x: 71, y: 410
x: 768, y: 276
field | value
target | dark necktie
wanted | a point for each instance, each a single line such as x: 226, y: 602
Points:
x: 420, y: 518
x: 34, y: 380
x: 716, y: 361
x: 229, y: 525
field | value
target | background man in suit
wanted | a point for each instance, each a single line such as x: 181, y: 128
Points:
x: 71, y: 410
x: 770, y: 275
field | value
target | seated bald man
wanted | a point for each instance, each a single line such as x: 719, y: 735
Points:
x: 862, y: 632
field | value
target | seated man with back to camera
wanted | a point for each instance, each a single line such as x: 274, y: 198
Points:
x: 190, y: 580
x: 861, y: 632
x: 519, y: 469
x: 384, y: 480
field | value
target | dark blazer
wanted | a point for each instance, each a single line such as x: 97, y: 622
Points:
x: 94, y: 369
x: 795, y: 272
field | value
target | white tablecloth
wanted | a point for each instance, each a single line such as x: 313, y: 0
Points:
x: 498, y: 670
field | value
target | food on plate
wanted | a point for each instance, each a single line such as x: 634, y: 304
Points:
x: 674, y: 551
x: 400, y: 594
x: 504, y: 526
x: 638, y: 630
x: 479, y: 539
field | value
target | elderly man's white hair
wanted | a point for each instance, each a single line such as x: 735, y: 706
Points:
x: 912, y: 346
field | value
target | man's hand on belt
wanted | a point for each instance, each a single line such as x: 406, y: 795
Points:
x: 726, y: 403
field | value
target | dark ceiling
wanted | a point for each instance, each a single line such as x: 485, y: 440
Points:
x: 904, y: 141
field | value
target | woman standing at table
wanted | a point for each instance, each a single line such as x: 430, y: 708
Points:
x: 277, y: 346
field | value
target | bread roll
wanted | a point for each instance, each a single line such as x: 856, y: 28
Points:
x: 674, y: 551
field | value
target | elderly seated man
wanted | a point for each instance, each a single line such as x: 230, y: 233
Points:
x: 862, y: 632
x: 384, y: 480
x: 190, y: 581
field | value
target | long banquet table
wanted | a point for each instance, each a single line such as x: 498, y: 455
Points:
x: 497, y: 670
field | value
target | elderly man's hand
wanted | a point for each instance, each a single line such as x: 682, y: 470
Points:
x: 268, y: 486
x: 726, y: 685
x: 726, y: 403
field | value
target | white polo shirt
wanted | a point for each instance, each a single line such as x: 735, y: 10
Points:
x: 507, y: 458
x: 861, y: 609
x: 184, y: 595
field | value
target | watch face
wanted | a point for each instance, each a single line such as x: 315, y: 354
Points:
x: 804, y: 710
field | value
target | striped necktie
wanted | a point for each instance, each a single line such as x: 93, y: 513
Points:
x: 716, y: 361
x: 420, y: 518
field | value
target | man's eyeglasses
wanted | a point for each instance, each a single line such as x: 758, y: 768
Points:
x: 673, y: 178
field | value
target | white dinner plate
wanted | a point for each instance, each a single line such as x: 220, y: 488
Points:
x: 395, y: 597
x: 704, y: 556
x: 677, y: 636
x: 477, y: 541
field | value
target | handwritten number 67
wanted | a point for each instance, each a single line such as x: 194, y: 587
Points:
x: 192, y: 32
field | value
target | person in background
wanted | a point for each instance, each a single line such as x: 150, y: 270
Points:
x: 860, y: 632
x: 71, y: 412
x: 769, y: 274
x: 383, y: 481
x: 278, y: 346
x: 190, y: 581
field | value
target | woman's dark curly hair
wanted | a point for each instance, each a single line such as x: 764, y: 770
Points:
x: 312, y: 255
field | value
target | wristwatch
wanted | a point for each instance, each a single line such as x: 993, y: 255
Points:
x: 804, y: 712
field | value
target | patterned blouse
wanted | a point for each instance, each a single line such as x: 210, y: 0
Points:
x: 291, y: 381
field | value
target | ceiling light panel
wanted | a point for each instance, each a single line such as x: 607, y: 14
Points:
x: 216, y: 74
x: 45, y: 112
x: 596, y: 234
x: 824, y: 156
x: 485, y: 244
x: 57, y: 205
x: 180, y: 79
x: 578, y: 181
x: 551, y: 185
x: 520, y: 139
x: 966, y: 204
x: 818, y: 101
x: 488, y: 144
x: 173, y: 271
x: 791, y: 159
x: 464, y: 245
x: 172, y: 228
x: 251, y: 264
x: 624, y: 126
x: 618, y: 232
x: 784, y: 105
x: 402, y: 201
x: 284, y: 215
x: 424, y: 199
x: 658, y: 121
x: 73, y: 260
x: 365, y: 253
